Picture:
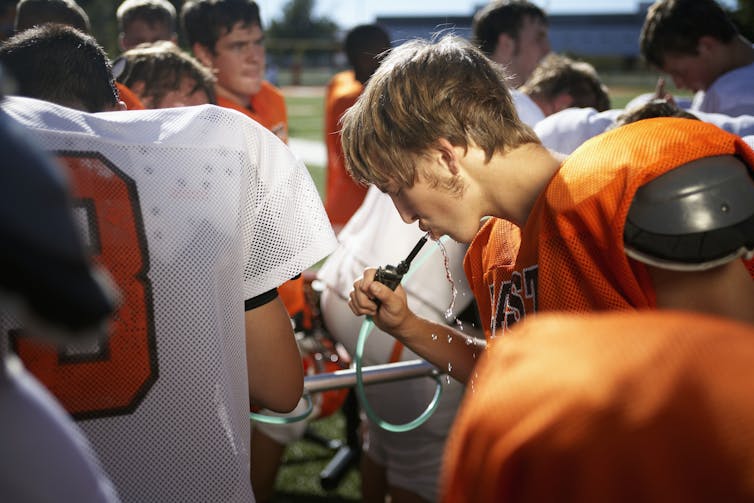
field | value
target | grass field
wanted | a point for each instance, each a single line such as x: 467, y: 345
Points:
x: 298, y: 481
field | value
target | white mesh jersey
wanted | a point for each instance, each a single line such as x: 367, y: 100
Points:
x: 192, y: 211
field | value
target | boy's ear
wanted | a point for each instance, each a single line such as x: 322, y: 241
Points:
x: 202, y: 54
x: 707, y: 45
x: 447, y: 155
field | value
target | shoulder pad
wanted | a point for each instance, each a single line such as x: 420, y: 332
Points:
x: 697, y: 216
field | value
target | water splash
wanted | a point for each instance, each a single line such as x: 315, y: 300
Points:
x: 449, y: 276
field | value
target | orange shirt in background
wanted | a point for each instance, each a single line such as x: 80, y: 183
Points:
x: 128, y: 97
x: 571, y: 255
x: 267, y: 107
x: 619, y: 407
x: 343, y: 196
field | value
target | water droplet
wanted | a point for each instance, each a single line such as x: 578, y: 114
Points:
x: 469, y: 341
x: 453, y: 289
x: 724, y: 208
x: 450, y: 338
x: 450, y: 366
x: 434, y: 337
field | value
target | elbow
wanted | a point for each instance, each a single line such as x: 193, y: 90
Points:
x: 286, y: 400
x: 285, y: 395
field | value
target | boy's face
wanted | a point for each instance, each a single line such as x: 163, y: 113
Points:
x: 139, y: 31
x: 239, y: 62
x: 689, y: 71
x: 531, y: 46
x: 437, y: 210
x: 184, y: 96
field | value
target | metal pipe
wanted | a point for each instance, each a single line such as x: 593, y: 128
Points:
x: 373, y: 374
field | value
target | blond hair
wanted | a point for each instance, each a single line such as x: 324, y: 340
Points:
x: 424, y: 91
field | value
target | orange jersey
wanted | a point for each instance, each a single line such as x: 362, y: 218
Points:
x: 618, y: 407
x: 571, y: 255
x: 267, y: 107
x: 128, y: 97
x: 343, y: 195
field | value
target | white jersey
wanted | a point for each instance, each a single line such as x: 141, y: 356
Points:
x: 566, y: 130
x: 731, y: 94
x: 192, y: 210
x: 528, y: 111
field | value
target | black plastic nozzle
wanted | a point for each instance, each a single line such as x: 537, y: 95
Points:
x: 391, y: 275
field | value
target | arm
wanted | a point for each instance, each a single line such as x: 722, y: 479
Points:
x: 276, y: 377
x: 727, y: 290
x: 440, y: 344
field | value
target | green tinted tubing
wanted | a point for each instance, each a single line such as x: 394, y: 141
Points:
x: 366, y: 329
x: 264, y: 418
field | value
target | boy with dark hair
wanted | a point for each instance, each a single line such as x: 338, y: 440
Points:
x: 227, y: 37
x: 66, y: 12
x: 435, y: 128
x: 700, y: 47
x: 512, y: 33
x: 31, y: 13
x: 34, y: 59
x: 163, y: 76
x: 142, y: 21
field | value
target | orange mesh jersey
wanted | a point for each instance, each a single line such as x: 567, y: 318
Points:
x: 618, y: 407
x: 128, y: 97
x: 571, y: 255
x: 267, y: 107
x: 343, y: 195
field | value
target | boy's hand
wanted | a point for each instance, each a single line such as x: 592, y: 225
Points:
x: 390, y: 314
x: 661, y: 94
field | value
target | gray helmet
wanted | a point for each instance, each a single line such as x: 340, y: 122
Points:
x: 697, y: 216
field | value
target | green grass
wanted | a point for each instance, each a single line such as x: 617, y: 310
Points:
x: 306, y: 116
x: 298, y: 479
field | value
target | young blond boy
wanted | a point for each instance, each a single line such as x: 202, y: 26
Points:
x: 436, y: 129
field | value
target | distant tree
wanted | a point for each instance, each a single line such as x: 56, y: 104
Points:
x: 298, y: 30
x: 743, y: 16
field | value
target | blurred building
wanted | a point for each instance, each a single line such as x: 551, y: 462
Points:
x: 584, y: 35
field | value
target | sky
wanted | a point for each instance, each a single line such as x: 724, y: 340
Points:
x: 349, y: 13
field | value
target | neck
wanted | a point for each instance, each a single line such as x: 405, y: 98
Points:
x: 741, y: 53
x: 240, y: 100
x: 524, y: 171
